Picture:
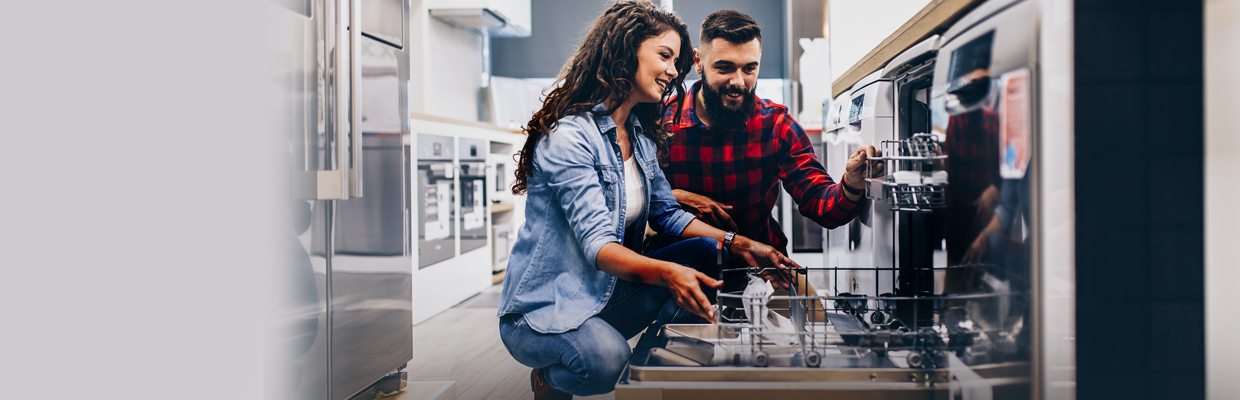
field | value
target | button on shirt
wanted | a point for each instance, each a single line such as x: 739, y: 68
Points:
x: 743, y: 168
x: 575, y: 204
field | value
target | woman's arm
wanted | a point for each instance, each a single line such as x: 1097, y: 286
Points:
x: 566, y: 158
x: 684, y: 282
x: 776, y: 265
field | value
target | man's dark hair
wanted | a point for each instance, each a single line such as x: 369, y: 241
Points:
x: 731, y: 25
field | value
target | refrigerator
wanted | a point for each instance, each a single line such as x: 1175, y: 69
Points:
x: 339, y: 311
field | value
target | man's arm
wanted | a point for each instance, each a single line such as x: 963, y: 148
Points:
x: 818, y: 196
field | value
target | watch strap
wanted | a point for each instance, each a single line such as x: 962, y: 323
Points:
x: 850, y: 189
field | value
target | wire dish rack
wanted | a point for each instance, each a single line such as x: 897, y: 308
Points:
x: 975, y: 324
x: 917, y: 181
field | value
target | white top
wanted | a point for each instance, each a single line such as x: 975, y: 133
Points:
x: 634, y: 195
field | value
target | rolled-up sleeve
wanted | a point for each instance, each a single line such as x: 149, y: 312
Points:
x: 566, y: 160
x: 666, y: 216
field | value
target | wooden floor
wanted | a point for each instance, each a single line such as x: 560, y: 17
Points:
x: 463, y: 345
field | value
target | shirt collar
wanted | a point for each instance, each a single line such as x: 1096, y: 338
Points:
x: 689, y: 118
x: 607, y: 125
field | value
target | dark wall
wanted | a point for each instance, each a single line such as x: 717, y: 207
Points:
x: 1139, y: 197
x: 768, y: 13
x: 556, y: 31
x: 558, y: 26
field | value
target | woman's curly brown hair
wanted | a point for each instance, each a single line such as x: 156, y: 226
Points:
x: 603, y: 67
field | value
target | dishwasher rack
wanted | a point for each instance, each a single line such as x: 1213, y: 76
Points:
x: 917, y: 181
x: 975, y: 325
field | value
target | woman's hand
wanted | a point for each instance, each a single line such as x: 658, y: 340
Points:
x: 775, y: 266
x: 706, y: 209
x: 686, y: 286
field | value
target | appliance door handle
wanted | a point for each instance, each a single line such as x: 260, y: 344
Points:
x: 355, y: 98
x: 334, y: 183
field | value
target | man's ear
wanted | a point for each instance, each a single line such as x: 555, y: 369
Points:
x: 697, y: 61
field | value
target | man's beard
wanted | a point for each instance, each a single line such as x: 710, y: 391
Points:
x: 722, y: 116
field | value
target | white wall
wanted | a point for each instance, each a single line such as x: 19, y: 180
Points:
x: 857, y: 26
x: 1222, y: 92
x: 445, y: 69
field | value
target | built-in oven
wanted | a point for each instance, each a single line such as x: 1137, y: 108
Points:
x: 436, y: 187
x: 503, y: 172
x: 473, y: 177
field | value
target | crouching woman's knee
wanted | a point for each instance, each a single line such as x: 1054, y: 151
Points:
x: 599, y: 367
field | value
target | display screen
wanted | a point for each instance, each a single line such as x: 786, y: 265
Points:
x: 854, y: 115
x: 970, y: 57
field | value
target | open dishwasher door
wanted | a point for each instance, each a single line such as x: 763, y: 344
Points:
x: 949, y: 223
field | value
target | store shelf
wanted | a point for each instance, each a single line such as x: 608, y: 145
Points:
x: 934, y: 18
x: 472, y: 124
x: 502, y: 206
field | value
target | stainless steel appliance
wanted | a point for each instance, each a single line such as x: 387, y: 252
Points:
x: 982, y: 93
x: 957, y: 322
x: 340, y: 311
x: 474, y: 218
x: 918, y: 238
x: 437, y: 198
x: 835, y: 242
x: 861, y: 269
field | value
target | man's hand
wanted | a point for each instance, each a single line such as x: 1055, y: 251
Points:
x: 855, y: 170
x: 977, y: 250
x: 775, y: 266
x: 986, y: 203
x: 706, y: 209
x: 686, y: 286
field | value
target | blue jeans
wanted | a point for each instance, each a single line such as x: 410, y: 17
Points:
x: 590, y: 360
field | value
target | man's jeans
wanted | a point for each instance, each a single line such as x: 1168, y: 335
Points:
x: 589, y: 360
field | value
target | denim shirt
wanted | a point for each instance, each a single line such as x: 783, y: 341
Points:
x: 575, y: 204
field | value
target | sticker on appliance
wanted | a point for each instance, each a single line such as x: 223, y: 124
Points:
x: 1014, y: 124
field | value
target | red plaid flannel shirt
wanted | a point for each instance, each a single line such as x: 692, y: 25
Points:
x: 742, y: 168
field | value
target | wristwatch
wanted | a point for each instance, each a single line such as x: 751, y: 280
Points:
x: 727, y: 241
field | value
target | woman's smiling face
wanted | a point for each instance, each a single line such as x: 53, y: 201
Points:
x: 656, y: 67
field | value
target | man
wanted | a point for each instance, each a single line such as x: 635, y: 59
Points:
x: 732, y: 149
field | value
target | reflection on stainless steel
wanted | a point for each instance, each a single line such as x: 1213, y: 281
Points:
x: 371, y: 224
x: 339, y: 314
x: 382, y: 20
x: 371, y: 313
x: 356, y: 145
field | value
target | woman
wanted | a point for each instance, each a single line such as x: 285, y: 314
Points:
x: 578, y: 286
